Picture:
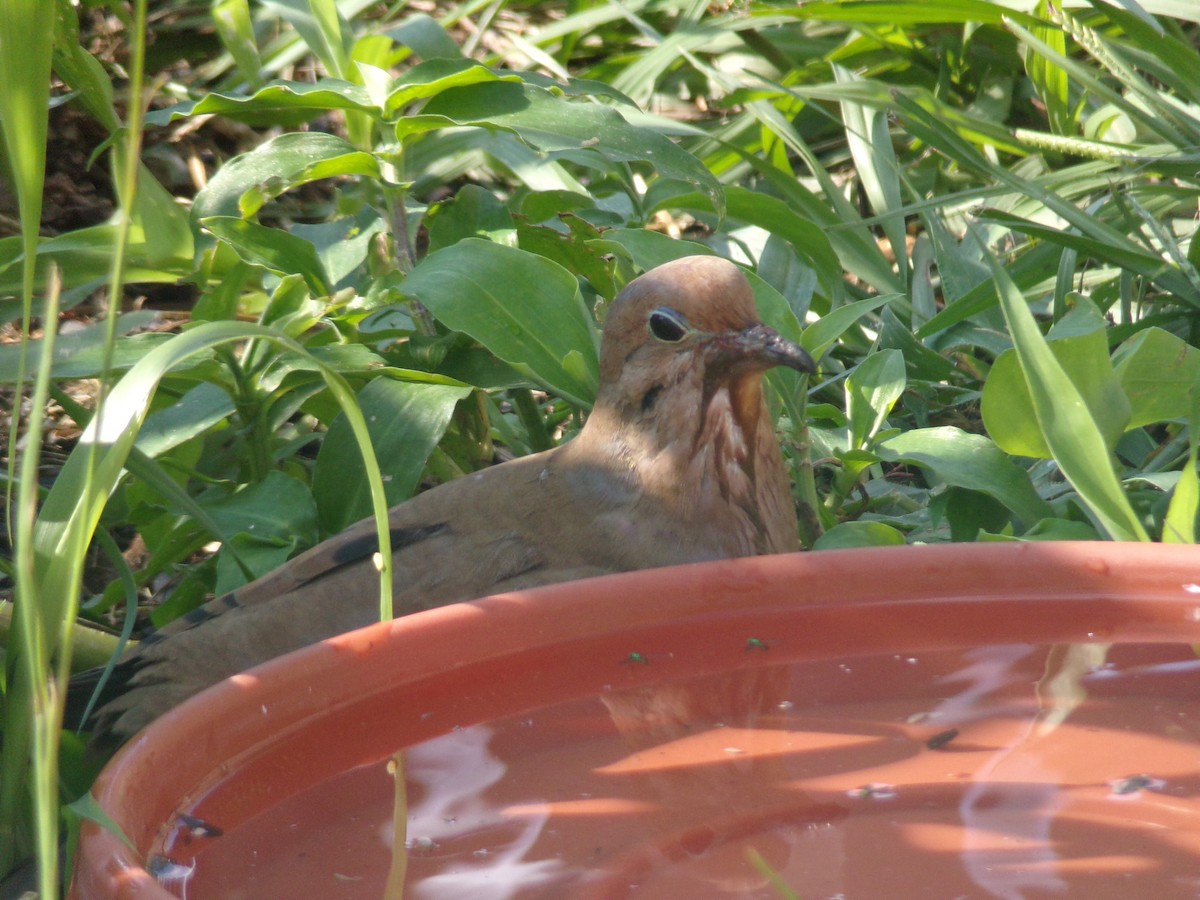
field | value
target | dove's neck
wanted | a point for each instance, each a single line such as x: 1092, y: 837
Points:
x: 705, y: 454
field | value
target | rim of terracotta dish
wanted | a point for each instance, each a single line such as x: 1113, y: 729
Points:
x: 232, y: 717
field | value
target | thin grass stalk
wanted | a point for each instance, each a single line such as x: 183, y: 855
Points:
x: 26, y: 29
x: 35, y: 704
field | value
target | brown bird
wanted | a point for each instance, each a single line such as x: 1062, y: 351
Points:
x: 677, y: 463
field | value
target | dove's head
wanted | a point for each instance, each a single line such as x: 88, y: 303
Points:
x: 684, y: 331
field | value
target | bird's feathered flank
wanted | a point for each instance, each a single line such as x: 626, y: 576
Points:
x: 677, y: 462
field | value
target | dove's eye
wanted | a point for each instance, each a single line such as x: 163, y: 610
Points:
x: 668, y: 325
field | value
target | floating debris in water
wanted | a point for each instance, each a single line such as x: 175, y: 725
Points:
x: 197, y: 827
x: 1133, y: 784
x: 876, y: 790
x: 165, y: 869
x: 941, y: 739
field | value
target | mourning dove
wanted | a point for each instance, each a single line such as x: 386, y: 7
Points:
x: 677, y: 463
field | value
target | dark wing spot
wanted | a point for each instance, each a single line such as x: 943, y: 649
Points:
x: 197, y: 616
x: 363, y: 547
x: 650, y: 397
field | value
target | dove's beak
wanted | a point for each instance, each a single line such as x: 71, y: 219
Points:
x: 764, y: 348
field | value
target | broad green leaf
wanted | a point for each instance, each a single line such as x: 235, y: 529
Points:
x: 83, y: 258
x: 257, y: 555
x: 272, y: 102
x: 1158, y: 372
x: 645, y: 249
x: 246, y: 182
x: 273, y: 249
x: 434, y: 76
x: 969, y: 512
x: 273, y: 518
x: 1180, y: 524
x: 551, y: 122
x: 1049, y: 530
x: 192, y: 414
x: 923, y: 12
x: 1068, y: 428
x: 159, y: 229
x: 872, y: 389
x: 406, y: 421
x: 525, y: 309
x: 923, y: 364
x: 472, y: 212
x: 427, y: 38
x: 572, y: 251
x: 1008, y: 409
x: 277, y: 508
x: 846, y: 535
x: 959, y: 459
x: 80, y: 353
x: 342, y: 244
x: 776, y: 217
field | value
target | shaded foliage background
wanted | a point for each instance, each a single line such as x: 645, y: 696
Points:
x: 981, y: 216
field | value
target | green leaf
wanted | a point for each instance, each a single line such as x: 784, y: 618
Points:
x: 1048, y: 530
x: 956, y: 458
x: 80, y: 353
x: 191, y: 415
x: 846, y: 535
x: 869, y: 138
x: 1107, y: 246
x: 426, y: 38
x: 872, y: 389
x: 551, y: 122
x: 74, y: 503
x: 272, y: 102
x: 823, y: 334
x: 277, y: 508
x: 1158, y: 372
x: 273, y: 249
x: 525, y: 309
x: 1179, y: 527
x: 84, y: 258
x: 472, y: 212
x: 1008, y: 408
x: 1068, y: 428
x: 645, y: 249
x: 1048, y: 78
x: 922, y: 12
x: 342, y: 244
x: 406, y: 421
x: 320, y: 27
x: 234, y: 26
x: 246, y: 182
x: 435, y: 76
x: 776, y: 217
x: 87, y: 807
x: 244, y: 556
